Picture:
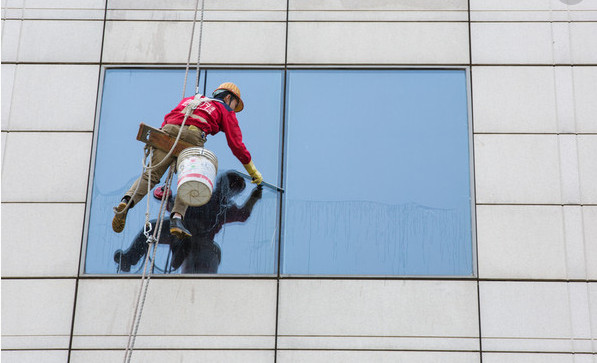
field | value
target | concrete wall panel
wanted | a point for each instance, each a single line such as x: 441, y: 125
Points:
x: 589, y: 214
x: 310, y: 356
x: 592, y: 294
x: 54, y: 97
x: 377, y: 43
x: 37, y: 314
x: 502, y: 43
x: 159, y: 356
x: 46, y: 167
x: 345, y: 314
x: 168, y: 42
x: 521, y: 242
x: 378, y: 10
x: 532, y: 10
x: 520, y: 169
x: 531, y: 358
x: 576, y: 254
x: 534, y: 99
x: 246, y: 48
x: 57, y: 9
x: 208, y: 314
x: 534, y: 317
x: 583, y: 42
x: 587, y: 161
x: 537, y: 242
x: 35, y: 356
x: 585, y: 94
x: 8, y: 75
x: 60, y: 41
x: 514, y: 99
x: 41, y: 239
x: 11, y: 35
x: 214, y: 10
x: 4, y: 138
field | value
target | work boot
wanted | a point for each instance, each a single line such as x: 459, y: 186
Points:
x: 177, y: 229
x: 120, y: 217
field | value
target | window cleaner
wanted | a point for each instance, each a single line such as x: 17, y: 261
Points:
x: 191, y: 121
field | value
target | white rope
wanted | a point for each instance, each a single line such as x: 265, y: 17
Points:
x: 199, y: 46
x: 582, y: 209
x: 573, y: 339
x: 153, y: 240
x: 184, y: 87
x: 556, y: 109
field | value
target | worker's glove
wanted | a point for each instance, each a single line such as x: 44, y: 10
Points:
x: 253, y: 172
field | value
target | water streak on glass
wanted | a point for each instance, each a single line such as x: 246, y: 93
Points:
x: 378, y: 174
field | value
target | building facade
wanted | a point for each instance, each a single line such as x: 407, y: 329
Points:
x: 518, y: 284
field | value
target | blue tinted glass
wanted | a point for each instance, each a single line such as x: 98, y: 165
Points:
x: 378, y: 179
x: 236, y: 232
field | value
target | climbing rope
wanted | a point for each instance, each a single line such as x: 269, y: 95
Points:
x: 153, y: 240
x: 575, y: 335
x: 199, y: 46
x: 184, y: 87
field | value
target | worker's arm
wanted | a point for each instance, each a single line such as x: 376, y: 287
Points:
x: 234, y: 138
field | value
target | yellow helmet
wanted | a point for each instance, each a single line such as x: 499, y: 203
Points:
x: 229, y: 86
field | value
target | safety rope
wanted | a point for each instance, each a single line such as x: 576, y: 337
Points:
x: 582, y: 209
x: 184, y: 87
x: 199, y: 46
x: 153, y: 240
x: 573, y: 334
x: 558, y: 130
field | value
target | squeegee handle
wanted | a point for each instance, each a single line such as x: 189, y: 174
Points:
x: 263, y: 183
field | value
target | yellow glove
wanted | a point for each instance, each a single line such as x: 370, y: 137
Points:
x: 253, y: 172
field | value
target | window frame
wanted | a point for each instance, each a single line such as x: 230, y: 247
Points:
x: 281, y: 177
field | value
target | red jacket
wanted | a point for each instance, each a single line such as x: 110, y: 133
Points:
x: 218, y: 117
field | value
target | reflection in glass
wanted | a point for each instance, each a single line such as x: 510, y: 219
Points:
x: 378, y: 179
x: 377, y: 174
x: 131, y: 96
x: 200, y: 253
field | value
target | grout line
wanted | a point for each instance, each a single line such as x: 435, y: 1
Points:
x: 474, y: 185
x: 310, y: 278
x: 83, y: 242
x: 352, y: 21
x: 307, y: 66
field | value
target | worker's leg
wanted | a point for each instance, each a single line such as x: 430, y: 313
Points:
x: 195, y: 137
x: 139, y: 189
x: 190, y: 135
x: 177, y: 228
x: 141, y: 184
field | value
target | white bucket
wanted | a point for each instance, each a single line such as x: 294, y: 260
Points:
x: 197, y: 168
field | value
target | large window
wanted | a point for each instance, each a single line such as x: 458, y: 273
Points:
x: 378, y: 179
x: 375, y: 167
x: 240, y: 236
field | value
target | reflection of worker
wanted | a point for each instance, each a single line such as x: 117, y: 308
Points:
x: 207, y: 116
x: 200, y: 253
